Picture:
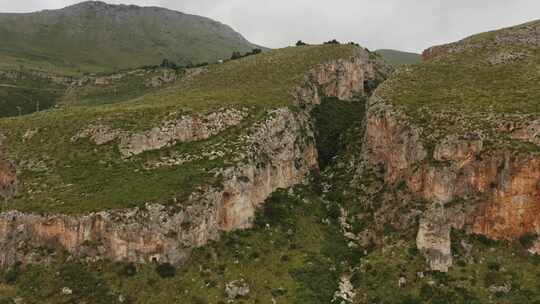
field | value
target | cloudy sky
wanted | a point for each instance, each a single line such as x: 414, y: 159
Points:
x: 410, y: 25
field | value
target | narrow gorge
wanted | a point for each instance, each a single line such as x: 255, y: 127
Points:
x: 281, y: 153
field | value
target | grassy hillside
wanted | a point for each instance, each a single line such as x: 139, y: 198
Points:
x: 57, y: 174
x: 477, y: 84
x: 397, y: 58
x: 26, y: 94
x: 97, y: 37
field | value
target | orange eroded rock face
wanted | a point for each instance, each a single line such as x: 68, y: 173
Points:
x: 506, y: 184
x: 513, y: 208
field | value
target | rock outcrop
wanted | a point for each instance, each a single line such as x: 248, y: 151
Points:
x: 281, y: 153
x: 525, y: 35
x: 498, y: 190
x: 166, y: 76
x: 345, y: 77
x: 187, y: 128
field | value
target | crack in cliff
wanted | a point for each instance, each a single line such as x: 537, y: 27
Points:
x: 167, y: 234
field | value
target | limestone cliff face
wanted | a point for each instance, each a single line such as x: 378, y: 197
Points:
x: 281, y: 153
x: 345, y: 78
x: 500, y: 189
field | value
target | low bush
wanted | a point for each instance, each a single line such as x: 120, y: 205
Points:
x: 166, y: 270
x: 12, y: 273
x: 128, y: 270
x: 528, y: 240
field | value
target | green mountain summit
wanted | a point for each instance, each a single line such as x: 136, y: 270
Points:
x: 96, y: 37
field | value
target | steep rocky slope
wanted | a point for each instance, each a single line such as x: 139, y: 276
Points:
x: 459, y: 133
x: 93, y: 36
x: 212, y: 168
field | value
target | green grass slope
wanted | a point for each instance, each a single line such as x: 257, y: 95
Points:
x: 27, y: 94
x: 397, y: 58
x: 475, y: 85
x: 58, y: 175
x: 97, y: 37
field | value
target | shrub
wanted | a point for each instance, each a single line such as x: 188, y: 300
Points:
x: 300, y: 43
x: 85, y: 284
x: 254, y: 52
x: 413, y: 251
x: 527, y: 240
x: 13, y: 272
x: 276, y: 211
x: 166, y: 63
x: 236, y: 55
x: 166, y: 270
x: 333, y: 41
x: 494, y: 266
x: 333, y: 118
x: 128, y: 270
x: 334, y: 211
x: 317, y: 282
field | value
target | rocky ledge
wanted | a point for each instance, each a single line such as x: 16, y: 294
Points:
x: 185, y: 129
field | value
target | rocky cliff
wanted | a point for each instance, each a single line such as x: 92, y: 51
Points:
x: 281, y: 153
x: 495, y: 193
x: 460, y: 133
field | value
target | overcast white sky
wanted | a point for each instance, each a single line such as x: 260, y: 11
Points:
x: 410, y: 25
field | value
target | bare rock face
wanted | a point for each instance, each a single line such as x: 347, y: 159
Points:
x: 390, y: 141
x: 530, y: 133
x: 246, y: 187
x: 458, y: 148
x: 138, y: 235
x: 433, y: 237
x: 344, y: 78
x: 236, y: 289
x: 187, y: 128
x: 503, y: 187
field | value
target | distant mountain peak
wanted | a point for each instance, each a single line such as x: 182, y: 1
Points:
x: 95, y: 37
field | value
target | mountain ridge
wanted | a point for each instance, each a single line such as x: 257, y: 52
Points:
x: 94, y: 36
x: 397, y: 57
